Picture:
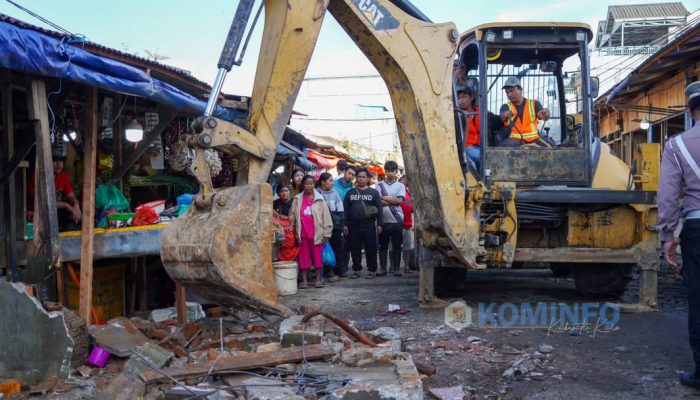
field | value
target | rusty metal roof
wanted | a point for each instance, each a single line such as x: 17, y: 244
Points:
x: 166, y: 73
x: 642, y: 11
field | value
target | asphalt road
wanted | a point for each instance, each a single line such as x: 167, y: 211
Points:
x: 638, y: 358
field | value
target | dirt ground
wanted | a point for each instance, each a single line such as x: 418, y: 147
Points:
x: 639, y: 359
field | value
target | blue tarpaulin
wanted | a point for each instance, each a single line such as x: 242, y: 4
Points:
x: 33, y: 52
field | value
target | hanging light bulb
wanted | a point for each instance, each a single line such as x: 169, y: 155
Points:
x: 133, y: 131
x: 644, y: 124
x: 72, y: 135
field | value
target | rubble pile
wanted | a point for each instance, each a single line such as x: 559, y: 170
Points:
x: 236, y: 356
x: 534, y: 365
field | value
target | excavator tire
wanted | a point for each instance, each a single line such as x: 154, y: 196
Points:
x: 560, y: 270
x: 602, y: 280
x: 448, y: 280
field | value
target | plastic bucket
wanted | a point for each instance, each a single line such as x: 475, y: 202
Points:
x: 98, y: 357
x: 285, y: 277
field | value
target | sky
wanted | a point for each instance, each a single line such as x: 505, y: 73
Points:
x: 191, y: 33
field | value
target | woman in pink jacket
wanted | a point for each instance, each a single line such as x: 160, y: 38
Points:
x: 314, y: 228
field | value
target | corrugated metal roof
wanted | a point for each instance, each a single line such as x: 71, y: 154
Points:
x: 667, y: 61
x: 167, y: 73
x: 654, y: 10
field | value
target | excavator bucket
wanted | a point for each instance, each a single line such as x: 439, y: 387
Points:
x: 222, y: 252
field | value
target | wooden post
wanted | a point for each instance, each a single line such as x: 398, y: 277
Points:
x: 89, y: 131
x: 46, y: 243
x: 118, y: 138
x: 11, y: 208
x: 180, y: 303
x: 142, y: 284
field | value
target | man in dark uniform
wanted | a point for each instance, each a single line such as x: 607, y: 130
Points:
x: 680, y: 178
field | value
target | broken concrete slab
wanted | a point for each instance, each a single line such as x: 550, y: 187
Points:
x: 123, y: 387
x: 295, y: 333
x: 119, y: 336
x: 154, y: 354
x: 448, y: 393
x: 376, y: 373
x: 268, y: 389
x: 384, y: 334
x: 189, y: 392
x: 37, y: 344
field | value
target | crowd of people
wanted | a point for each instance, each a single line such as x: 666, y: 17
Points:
x: 353, y: 215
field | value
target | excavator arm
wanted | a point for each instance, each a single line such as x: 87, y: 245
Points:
x: 221, y: 247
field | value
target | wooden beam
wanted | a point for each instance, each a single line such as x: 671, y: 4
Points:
x: 181, y: 303
x: 18, y: 157
x: 87, y: 237
x: 45, y: 212
x: 244, y: 362
x: 165, y: 115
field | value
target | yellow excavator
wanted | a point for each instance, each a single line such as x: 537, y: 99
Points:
x: 565, y: 202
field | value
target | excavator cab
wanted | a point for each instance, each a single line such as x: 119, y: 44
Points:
x: 537, y: 55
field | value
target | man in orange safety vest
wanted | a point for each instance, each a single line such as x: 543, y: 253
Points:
x: 521, y: 115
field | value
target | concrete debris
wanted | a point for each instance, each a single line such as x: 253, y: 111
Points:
x: 44, y: 343
x: 146, y: 357
x: 384, y: 334
x: 528, y: 364
x: 269, y: 389
x: 448, y: 393
x: 44, y: 387
x: 382, y: 374
x: 206, y: 359
x: 188, y: 392
x: 194, y: 313
x: 474, y: 339
x: 295, y: 333
x: 243, y: 362
x: 119, y: 336
x: 546, y: 349
x: 123, y: 387
x: 85, y: 371
x: 393, y: 308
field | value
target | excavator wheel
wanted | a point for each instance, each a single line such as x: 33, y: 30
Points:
x: 602, y: 280
x: 448, y: 280
x: 560, y: 270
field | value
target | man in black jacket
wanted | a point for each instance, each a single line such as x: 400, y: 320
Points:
x: 363, y: 222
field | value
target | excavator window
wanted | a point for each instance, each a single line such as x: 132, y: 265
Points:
x: 537, y: 58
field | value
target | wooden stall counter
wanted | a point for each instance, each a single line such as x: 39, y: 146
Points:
x: 114, y: 242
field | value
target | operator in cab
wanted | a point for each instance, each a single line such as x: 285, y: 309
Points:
x: 520, y: 116
x: 466, y: 100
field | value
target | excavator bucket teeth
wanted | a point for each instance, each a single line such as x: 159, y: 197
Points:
x: 224, y: 253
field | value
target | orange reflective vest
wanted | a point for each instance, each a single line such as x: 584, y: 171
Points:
x: 473, y: 128
x: 524, y: 128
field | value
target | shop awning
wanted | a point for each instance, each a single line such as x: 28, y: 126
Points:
x: 27, y: 50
